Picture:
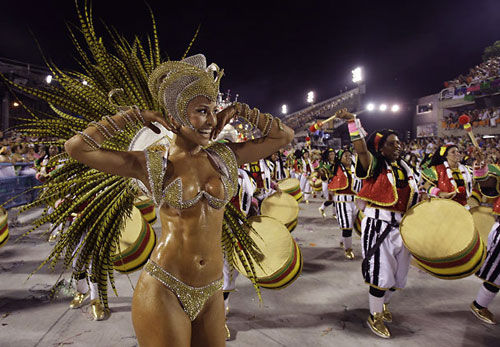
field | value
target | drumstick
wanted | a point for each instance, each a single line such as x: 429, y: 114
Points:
x: 465, y: 121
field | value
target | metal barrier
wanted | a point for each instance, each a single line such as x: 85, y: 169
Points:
x: 19, y: 187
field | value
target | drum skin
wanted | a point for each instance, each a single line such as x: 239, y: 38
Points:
x: 282, y: 262
x: 442, y: 237
x: 4, y: 227
x: 292, y: 187
x: 282, y: 207
x: 137, y: 242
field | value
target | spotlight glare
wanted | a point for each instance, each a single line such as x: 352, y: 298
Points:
x: 370, y: 107
x: 15, y: 104
x: 310, y: 97
x: 284, y: 109
x: 383, y: 107
x: 48, y: 79
x: 84, y: 82
x: 357, y: 75
x: 395, y: 108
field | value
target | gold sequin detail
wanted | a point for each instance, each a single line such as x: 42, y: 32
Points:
x: 175, y: 83
x: 192, y: 299
x: 173, y: 192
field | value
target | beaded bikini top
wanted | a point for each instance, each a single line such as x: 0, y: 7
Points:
x: 172, y: 194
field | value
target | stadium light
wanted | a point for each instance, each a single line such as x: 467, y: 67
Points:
x: 48, y: 79
x: 383, y: 107
x: 395, y: 108
x: 85, y: 82
x: 357, y: 75
x: 284, y: 109
x: 370, y: 107
x: 310, y: 97
x: 15, y: 104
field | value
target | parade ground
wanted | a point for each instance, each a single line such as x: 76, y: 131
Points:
x: 326, y: 306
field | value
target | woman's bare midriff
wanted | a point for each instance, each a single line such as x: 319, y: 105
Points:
x: 189, y: 247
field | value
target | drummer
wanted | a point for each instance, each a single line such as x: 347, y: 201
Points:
x: 326, y: 174
x: 390, y: 189
x: 345, y: 185
x: 261, y: 173
x: 86, y: 286
x: 305, y: 169
x: 446, y: 177
x: 276, y: 164
x: 488, y: 177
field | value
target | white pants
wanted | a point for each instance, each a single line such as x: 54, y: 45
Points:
x: 490, y: 271
x: 305, y: 186
x: 346, y: 210
x: 229, y: 274
x: 388, y: 267
x: 324, y: 189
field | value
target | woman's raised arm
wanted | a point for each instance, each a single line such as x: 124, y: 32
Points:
x: 275, y: 134
x: 85, y: 146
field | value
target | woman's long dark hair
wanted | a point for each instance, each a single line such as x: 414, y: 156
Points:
x: 326, y: 152
x: 375, y: 150
x: 338, y: 159
x: 437, y: 158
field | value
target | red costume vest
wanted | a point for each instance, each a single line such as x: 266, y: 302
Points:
x: 381, y: 192
x: 341, y: 183
x: 445, y: 185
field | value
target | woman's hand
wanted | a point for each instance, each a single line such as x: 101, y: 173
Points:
x: 447, y: 195
x: 347, y: 116
x: 223, y: 117
x: 155, y: 116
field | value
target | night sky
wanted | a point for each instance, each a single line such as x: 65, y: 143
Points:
x: 273, y: 52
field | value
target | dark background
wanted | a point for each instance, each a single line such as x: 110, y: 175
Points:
x: 273, y: 52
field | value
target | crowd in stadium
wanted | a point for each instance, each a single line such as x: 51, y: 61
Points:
x: 487, y: 69
x: 479, y: 117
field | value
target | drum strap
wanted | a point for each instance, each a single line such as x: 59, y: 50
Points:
x: 376, y: 246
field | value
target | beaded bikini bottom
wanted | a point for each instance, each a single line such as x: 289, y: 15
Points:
x: 192, y: 299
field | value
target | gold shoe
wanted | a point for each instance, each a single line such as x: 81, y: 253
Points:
x: 377, y: 325
x: 226, y: 306
x: 228, y: 333
x: 386, y: 314
x: 323, y: 214
x: 483, y: 314
x: 78, y: 300
x: 349, y: 254
x: 98, y: 310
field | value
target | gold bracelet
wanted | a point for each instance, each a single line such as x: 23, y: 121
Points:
x: 128, y: 118
x: 89, y: 141
x: 263, y: 130
x: 270, y: 119
x: 138, y: 114
x: 112, y: 122
x: 102, y: 129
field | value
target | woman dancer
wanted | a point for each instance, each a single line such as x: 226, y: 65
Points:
x: 326, y: 173
x: 345, y: 186
x: 390, y: 189
x: 178, y: 299
x: 305, y: 169
x: 446, y: 178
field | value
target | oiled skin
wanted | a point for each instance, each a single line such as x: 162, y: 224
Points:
x: 190, y: 244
